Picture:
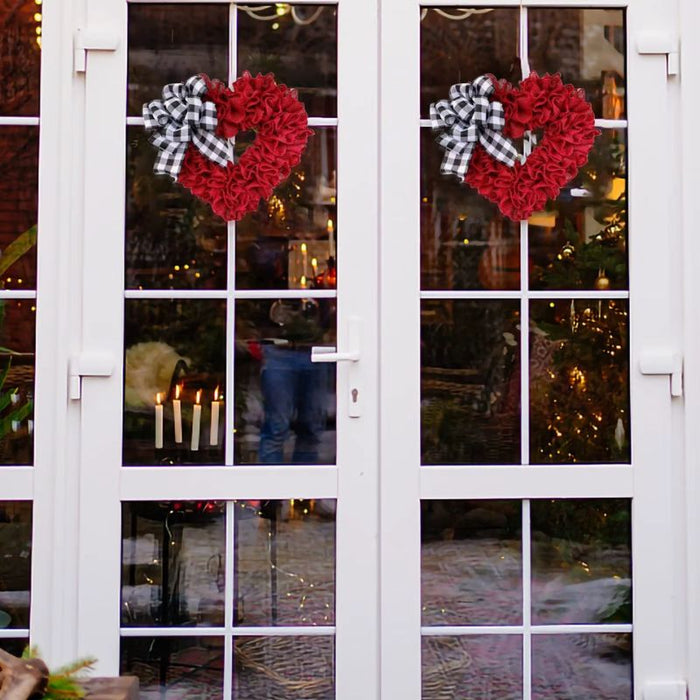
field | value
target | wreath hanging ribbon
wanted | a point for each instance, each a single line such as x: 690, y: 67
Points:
x: 182, y: 117
x: 468, y: 117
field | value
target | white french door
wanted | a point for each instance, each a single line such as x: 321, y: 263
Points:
x: 485, y: 503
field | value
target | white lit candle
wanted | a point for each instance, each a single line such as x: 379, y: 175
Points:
x: 305, y: 258
x: 196, y: 420
x: 214, y: 428
x: 314, y: 266
x: 331, y: 239
x: 177, y: 414
x: 159, y: 422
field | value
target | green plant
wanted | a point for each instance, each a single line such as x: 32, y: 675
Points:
x: 64, y: 682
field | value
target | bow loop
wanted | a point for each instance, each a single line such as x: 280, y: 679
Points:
x: 182, y: 117
x: 469, y: 117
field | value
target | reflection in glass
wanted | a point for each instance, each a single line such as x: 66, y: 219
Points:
x: 580, y: 242
x: 285, y: 562
x: 458, y: 45
x: 19, y: 171
x: 588, y: 48
x: 575, y: 666
x: 14, y: 646
x: 289, y: 668
x: 179, y: 668
x: 472, y: 667
x: 581, y: 562
x: 170, y: 42
x: 20, y: 58
x: 285, y: 404
x: 173, y: 564
x: 465, y: 242
x: 579, y: 381
x: 17, y: 343
x: 175, y: 373
x: 471, y: 562
x: 299, y: 46
x: 173, y: 239
x: 15, y: 564
x: 290, y: 241
x: 470, y: 382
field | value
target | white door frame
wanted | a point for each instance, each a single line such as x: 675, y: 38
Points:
x: 104, y: 482
x: 651, y: 482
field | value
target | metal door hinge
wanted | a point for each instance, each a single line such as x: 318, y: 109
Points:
x: 86, y: 40
x: 665, y: 690
x: 658, y: 43
x: 664, y: 362
x: 87, y: 364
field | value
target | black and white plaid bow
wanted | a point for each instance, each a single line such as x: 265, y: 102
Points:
x: 468, y: 118
x: 181, y: 117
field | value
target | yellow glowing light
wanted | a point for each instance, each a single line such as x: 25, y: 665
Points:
x: 186, y: 267
x: 38, y: 30
x: 275, y: 25
x: 303, y: 247
x: 37, y: 16
x: 176, y: 268
x: 281, y: 9
x: 466, y: 241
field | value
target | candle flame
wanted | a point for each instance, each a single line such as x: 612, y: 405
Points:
x: 329, y: 225
x: 303, y: 247
x: 178, y: 389
x: 158, y: 399
x: 199, y: 396
x: 303, y: 281
x: 216, y: 394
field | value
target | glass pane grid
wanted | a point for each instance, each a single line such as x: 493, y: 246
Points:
x: 176, y: 556
x: 600, y: 528
x: 548, y: 268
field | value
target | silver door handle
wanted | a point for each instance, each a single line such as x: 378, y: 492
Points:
x: 325, y: 353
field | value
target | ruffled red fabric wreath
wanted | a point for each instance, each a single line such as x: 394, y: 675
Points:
x: 568, y: 124
x: 281, y: 125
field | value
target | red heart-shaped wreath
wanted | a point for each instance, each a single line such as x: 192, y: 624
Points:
x: 281, y: 125
x: 568, y: 125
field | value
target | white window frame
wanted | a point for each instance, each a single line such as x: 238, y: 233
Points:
x: 656, y: 521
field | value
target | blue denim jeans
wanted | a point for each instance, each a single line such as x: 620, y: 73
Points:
x: 294, y: 391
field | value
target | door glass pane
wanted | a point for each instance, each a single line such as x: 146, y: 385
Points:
x: 174, y: 381
x: 473, y: 667
x: 572, y: 666
x: 298, y: 44
x: 173, y: 564
x: 15, y: 566
x: 459, y: 44
x: 581, y: 562
x: 285, y: 562
x: 173, y: 239
x: 20, y: 57
x: 579, y: 381
x: 588, y: 48
x: 293, y: 668
x: 17, y: 343
x: 471, y: 562
x: 470, y: 382
x: 170, y: 42
x: 175, y: 667
x: 466, y: 243
x: 285, y: 404
x: 19, y: 171
x: 580, y: 242
x: 290, y: 242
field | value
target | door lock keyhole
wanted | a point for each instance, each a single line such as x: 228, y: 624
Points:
x: 354, y: 394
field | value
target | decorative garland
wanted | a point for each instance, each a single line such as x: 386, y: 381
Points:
x: 470, y: 132
x: 183, y: 119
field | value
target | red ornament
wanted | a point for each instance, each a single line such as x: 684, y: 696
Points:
x: 281, y: 125
x: 568, y: 125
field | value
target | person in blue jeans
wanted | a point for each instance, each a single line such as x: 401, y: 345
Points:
x: 294, y: 389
